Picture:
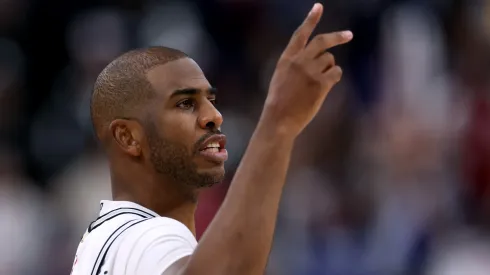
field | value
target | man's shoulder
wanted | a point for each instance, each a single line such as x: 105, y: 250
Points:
x: 134, y: 242
x: 152, y: 245
x: 129, y: 232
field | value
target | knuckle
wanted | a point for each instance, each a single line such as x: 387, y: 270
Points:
x: 330, y: 58
x: 296, y: 64
x: 337, y: 74
x: 314, y: 78
x: 303, y: 68
x: 314, y: 82
x: 299, y: 34
x: 291, y: 62
x: 296, y: 33
x: 285, y: 60
x: 308, y: 72
x: 334, y: 75
x: 319, y: 40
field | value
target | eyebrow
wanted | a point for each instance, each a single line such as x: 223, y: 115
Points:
x: 193, y: 91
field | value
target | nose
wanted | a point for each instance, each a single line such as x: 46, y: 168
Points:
x: 210, y: 117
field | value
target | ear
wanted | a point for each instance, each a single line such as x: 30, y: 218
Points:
x: 128, y: 135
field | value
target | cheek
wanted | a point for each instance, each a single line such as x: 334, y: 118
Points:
x: 181, y: 130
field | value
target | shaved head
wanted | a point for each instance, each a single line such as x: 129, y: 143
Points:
x: 154, y: 110
x: 122, y: 88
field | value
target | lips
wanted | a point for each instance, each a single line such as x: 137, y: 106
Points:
x: 213, y: 149
x: 218, y: 141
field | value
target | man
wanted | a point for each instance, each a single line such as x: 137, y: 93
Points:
x: 153, y: 111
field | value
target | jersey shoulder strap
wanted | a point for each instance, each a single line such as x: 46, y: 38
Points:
x: 115, y: 222
x: 99, y: 261
x: 119, y: 212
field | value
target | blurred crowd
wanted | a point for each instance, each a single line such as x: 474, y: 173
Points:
x: 391, y: 178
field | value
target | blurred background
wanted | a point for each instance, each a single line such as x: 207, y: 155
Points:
x: 391, y: 178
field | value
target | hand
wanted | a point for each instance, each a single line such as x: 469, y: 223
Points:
x: 303, y: 77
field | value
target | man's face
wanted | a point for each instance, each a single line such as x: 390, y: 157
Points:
x: 183, y: 130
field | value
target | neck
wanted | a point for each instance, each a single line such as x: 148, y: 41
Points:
x: 165, y: 198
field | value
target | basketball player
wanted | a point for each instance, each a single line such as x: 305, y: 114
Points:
x: 153, y: 111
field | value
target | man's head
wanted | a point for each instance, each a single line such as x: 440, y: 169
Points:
x: 155, y: 107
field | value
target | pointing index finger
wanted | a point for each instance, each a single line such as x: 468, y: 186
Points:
x: 302, y: 34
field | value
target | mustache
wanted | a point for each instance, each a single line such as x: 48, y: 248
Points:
x: 203, y: 138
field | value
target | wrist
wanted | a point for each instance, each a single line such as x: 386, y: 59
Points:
x: 271, y: 130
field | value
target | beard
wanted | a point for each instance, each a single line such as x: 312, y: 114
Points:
x: 173, y: 160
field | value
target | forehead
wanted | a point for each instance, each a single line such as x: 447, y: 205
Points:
x: 175, y: 75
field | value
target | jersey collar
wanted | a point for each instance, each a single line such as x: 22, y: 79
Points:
x: 107, y: 206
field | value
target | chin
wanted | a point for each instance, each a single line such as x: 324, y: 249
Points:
x: 212, y: 176
x: 215, y: 172
x: 211, y: 168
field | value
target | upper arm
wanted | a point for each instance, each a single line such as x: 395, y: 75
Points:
x: 154, y: 248
x: 177, y: 268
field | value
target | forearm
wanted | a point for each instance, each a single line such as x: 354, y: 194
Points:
x: 239, y: 239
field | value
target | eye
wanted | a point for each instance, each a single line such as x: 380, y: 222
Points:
x: 186, y: 104
x: 213, y: 101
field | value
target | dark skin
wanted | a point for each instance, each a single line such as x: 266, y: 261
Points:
x: 239, y: 238
x: 182, y: 113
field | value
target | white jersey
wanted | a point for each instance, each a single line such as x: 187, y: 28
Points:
x: 128, y: 239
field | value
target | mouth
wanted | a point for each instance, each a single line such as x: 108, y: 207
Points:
x: 213, y: 149
x: 214, y: 144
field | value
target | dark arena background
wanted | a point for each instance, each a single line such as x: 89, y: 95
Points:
x: 391, y: 178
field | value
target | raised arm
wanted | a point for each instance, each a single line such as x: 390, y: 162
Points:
x: 239, y: 239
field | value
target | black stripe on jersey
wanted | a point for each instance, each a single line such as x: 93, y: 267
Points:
x: 102, y: 249
x: 125, y: 208
x: 116, y: 212
x: 94, y: 226
x: 107, y: 245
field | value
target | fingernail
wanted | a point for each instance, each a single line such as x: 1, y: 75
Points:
x: 347, y: 34
x: 314, y: 9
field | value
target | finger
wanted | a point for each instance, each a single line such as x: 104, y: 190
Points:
x: 325, y: 62
x: 323, y: 42
x: 332, y: 76
x: 302, y: 34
